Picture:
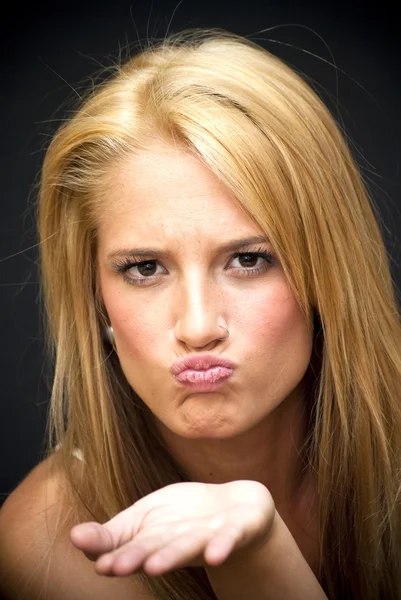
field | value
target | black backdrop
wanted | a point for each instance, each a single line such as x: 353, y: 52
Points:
x: 46, y: 51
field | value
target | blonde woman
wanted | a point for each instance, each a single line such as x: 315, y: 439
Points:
x: 225, y: 417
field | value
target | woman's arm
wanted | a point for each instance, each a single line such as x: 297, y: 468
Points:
x: 276, y: 570
x: 233, y: 526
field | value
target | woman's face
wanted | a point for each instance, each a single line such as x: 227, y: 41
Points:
x: 203, y: 266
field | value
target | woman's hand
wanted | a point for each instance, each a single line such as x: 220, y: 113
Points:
x: 181, y: 525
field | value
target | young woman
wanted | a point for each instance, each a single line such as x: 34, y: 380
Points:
x: 225, y: 418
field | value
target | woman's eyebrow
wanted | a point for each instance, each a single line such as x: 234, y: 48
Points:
x: 161, y: 253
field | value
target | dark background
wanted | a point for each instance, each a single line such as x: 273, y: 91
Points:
x: 46, y: 54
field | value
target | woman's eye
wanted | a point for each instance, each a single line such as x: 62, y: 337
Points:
x: 248, y: 260
x: 146, y: 268
x: 141, y: 271
x: 252, y: 262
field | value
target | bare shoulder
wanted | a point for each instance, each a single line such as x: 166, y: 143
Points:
x: 38, y: 560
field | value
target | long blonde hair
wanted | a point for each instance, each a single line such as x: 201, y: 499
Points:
x: 263, y: 131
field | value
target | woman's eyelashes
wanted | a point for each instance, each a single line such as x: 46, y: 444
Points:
x: 142, y: 272
x: 251, y: 263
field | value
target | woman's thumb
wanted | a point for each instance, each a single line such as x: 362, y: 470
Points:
x: 92, y: 538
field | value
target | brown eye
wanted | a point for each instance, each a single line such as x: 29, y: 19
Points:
x: 248, y: 260
x: 141, y: 272
x: 147, y: 268
x: 251, y: 263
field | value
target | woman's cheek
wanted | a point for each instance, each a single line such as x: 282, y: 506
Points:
x: 134, y: 335
x: 134, y: 329
x: 273, y: 319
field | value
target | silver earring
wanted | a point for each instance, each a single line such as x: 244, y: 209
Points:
x: 228, y: 333
x: 109, y: 335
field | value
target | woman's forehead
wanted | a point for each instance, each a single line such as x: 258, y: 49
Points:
x: 166, y: 193
x: 163, y: 172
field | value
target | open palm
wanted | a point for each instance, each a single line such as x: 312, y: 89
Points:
x: 180, y: 525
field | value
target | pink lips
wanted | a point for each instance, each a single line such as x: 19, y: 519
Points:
x: 205, y: 372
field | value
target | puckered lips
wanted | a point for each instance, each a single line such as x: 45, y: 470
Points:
x: 202, y: 372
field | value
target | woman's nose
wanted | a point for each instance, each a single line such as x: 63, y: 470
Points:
x: 200, y: 323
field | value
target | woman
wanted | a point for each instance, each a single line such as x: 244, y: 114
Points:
x: 226, y: 335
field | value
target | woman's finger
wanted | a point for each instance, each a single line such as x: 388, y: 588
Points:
x: 179, y: 552
x: 222, y: 544
x: 156, y: 554
x: 130, y: 556
x: 214, y: 546
x: 127, y: 560
x: 92, y: 538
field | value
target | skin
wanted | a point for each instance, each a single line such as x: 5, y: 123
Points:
x: 254, y: 425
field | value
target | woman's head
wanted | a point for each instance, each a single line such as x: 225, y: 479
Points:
x: 167, y: 211
x: 265, y: 136
x: 214, y: 115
